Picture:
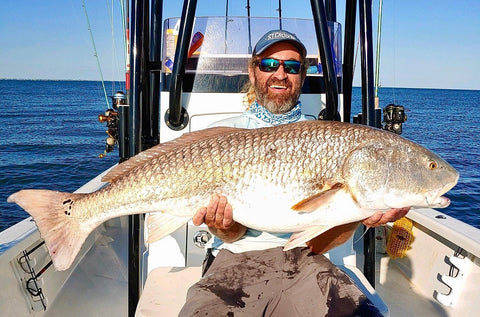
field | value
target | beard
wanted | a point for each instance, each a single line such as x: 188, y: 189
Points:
x: 276, y: 103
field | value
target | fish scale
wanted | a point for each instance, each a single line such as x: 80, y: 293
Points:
x: 307, y: 177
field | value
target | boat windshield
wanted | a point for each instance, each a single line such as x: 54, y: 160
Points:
x: 221, y: 48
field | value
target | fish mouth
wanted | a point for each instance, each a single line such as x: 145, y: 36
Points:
x: 433, y: 199
x: 440, y: 202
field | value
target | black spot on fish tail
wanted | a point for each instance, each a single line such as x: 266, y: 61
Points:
x: 69, y: 204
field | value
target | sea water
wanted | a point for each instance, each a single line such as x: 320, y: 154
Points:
x: 50, y: 137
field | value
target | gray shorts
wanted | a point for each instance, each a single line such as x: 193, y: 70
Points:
x: 273, y: 282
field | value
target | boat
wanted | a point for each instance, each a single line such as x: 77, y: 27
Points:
x: 428, y: 264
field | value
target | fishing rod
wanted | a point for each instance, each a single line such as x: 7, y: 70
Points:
x: 393, y: 115
x: 280, y: 14
x: 326, y: 57
x: 95, y: 53
x: 249, y: 29
x: 114, y: 117
x: 377, y: 57
x: 226, y: 26
x: 348, y: 58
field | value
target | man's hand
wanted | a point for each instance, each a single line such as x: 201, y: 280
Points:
x: 218, y: 216
x: 379, y: 218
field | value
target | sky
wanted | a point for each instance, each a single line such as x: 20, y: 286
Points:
x: 425, y: 43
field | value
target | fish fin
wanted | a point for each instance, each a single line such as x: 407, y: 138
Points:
x: 318, y: 200
x: 162, y: 148
x: 333, y: 237
x: 54, y: 216
x: 299, y: 238
x: 161, y: 224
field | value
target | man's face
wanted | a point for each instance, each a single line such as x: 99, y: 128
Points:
x: 277, y: 91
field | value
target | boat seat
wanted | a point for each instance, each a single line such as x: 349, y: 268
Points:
x: 166, y: 289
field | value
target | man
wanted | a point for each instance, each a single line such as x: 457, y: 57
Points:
x: 251, y: 275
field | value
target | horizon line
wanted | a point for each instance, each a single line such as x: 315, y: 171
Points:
x: 96, y: 80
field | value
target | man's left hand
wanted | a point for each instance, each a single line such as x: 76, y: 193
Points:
x: 380, y: 218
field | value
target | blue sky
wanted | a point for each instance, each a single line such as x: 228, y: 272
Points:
x: 425, y: 44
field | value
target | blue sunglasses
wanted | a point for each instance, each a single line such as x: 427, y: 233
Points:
x: 270, y: 65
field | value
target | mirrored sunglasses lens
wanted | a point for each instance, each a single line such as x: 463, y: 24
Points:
x: 269, y: 65
x: 292, y: 67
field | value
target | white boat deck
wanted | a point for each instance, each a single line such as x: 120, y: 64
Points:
x: 402, y: 297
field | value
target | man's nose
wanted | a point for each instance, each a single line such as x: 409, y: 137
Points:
x: 280, y: 72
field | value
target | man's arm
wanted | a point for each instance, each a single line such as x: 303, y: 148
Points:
x: 218, y: 216
x: 340, y: 234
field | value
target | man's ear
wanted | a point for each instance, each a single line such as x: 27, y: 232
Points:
x: 251, y: 74
x: 304, y: 75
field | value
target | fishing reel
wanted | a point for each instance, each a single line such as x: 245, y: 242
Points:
x: 394, y: 116
x: 110, y: 117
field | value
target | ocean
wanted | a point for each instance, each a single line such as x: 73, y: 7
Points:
x: 51, y: 137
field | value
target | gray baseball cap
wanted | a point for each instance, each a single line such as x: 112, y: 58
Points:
x: 275, y: 36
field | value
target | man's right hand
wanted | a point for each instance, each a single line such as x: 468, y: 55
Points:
x: 218, y: 216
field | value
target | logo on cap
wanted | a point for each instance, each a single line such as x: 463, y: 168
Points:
x: 280, y: 35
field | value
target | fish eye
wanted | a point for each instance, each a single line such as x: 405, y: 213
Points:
x: 432, y: 165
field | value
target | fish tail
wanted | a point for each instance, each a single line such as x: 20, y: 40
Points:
x: 53, y: 213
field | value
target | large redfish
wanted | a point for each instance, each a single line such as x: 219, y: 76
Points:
x: 306, y: 177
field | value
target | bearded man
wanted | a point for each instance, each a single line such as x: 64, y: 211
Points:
x: 246, y: 272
